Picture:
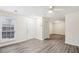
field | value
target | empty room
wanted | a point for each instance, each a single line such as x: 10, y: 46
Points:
x: 39, y: 29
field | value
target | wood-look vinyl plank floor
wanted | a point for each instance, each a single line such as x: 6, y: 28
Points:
x: 56, y: 44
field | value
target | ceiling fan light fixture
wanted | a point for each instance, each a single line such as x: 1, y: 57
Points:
x: 50, y: 6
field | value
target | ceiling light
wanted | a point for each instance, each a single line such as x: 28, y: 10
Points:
x: 50, y: 11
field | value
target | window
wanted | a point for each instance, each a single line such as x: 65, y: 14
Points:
x: 8, y: 30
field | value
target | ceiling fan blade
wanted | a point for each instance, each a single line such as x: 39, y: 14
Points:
x: 58, y: 9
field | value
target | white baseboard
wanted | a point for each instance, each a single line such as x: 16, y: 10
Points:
x: 11, y: 42
x: 69, y: 43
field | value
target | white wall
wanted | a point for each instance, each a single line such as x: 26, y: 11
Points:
x: 57, y: 27
x: 21, y: 31
x: 37, y: 28
x: 72, y: 29
x: 21, y: 28
x: 51, y: 28
x: 31, y: 28
x: 34, y: 27
x: 45, y: 28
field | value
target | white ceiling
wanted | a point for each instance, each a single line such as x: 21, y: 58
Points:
x: 41, y: 11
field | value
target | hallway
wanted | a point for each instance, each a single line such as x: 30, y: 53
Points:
x: 53, y: 45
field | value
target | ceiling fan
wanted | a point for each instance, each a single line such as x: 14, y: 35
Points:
x: 52, y: 9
